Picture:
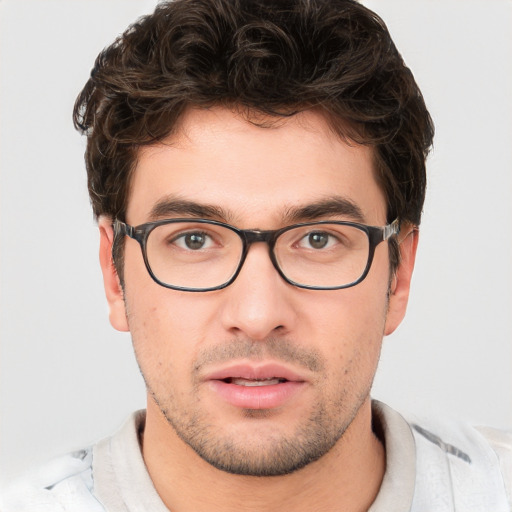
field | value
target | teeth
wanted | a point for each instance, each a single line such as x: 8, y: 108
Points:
x: 247, y: 382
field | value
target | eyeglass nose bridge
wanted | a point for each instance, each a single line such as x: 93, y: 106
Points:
x: 251, y: 236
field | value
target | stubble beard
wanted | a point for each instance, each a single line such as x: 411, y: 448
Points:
x: 267, y: 451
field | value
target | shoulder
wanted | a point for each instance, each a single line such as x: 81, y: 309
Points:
x: 61, y: 485
x: 449, y: 462
x: 470, y: 465
x: 501, y: 443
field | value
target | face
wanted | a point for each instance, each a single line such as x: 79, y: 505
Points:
x: 259, y: 378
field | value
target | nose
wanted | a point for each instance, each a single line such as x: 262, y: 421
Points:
x: 259, y: 303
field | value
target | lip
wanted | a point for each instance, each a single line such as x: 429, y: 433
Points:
x: 255, y: 397
x: 256, y: 372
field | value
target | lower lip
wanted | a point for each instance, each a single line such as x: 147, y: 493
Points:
x: 256, y: 397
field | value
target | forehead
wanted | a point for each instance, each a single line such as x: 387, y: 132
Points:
x: 255, y: 169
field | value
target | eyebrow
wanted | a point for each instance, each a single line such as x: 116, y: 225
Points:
x: 171, y: 206
x: 331, y: 206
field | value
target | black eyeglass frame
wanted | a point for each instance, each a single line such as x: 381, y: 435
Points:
x: 376, y: 235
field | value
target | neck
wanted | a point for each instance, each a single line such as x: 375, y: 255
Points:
x: 347, y: 478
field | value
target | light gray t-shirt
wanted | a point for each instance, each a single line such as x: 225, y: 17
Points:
x: 427, y: 470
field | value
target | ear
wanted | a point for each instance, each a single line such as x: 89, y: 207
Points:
x: 401, y: 280
x: 113, y: 289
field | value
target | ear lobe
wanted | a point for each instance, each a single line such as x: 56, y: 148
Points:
x: 401, y: 280
x: 111, y: 283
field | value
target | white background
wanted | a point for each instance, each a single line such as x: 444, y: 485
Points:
x: 67, y: 378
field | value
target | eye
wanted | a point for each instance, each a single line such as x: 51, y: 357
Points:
x: 193, y: 241
x: 317, y: 240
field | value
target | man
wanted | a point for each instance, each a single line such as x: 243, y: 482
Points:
x: 258, y: 173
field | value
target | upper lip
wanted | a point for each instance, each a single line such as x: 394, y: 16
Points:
x: 252, y: 371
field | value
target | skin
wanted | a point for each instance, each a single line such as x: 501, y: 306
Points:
x: 330, y: 339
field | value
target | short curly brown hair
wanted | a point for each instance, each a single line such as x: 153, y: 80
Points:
x: 274, y: 57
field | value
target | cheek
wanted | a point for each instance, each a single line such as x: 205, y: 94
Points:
x: 349, y: 326
x: 167, y: 327
x: 353, y: 315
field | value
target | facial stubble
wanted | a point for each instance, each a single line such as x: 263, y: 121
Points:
x: 261, y: 447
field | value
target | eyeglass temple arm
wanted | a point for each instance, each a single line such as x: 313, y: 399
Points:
x: 391, y: 229
x: 123, y: 229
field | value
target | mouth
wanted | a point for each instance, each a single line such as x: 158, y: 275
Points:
x: 266, y: 386
x: 238, y: 381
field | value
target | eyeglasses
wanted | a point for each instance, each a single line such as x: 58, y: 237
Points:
x: 199, y: 255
